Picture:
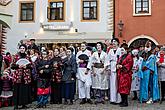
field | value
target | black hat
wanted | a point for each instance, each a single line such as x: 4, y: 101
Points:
x: 23, y: 45
x: 32, y: 39
x: 116, y: 39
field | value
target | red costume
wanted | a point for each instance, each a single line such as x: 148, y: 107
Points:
x: 125, y: 74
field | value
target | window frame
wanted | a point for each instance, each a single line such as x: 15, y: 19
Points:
x: 64, y: 10
x: 97, y: 10
x: 143, y: 13
x: 20, y: 12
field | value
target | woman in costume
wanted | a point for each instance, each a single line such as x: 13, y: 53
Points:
x: 22, y: 78
x: 6, y: 97
x: 56, y: 87
x: 69, y: 76
x: 135, y: 86
x: 44, y: 69
x: 99, y: 63
x: 124, y: 75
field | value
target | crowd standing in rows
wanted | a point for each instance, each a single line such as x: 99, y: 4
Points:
x: 99, y: 74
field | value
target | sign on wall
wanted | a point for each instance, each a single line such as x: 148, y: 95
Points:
x: 53, y: 27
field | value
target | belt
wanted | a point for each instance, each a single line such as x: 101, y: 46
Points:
x: 98, y: 65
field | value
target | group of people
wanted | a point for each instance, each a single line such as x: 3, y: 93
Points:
x: 98, y: 74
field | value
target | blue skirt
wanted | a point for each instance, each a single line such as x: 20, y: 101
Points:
x: 68, y: 90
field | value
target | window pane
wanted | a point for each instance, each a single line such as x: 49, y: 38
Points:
x: 53, y: 5
x: 23, y: 6
x: 59, y: 4
x: 90, y: 10
x: 56, y: 12
x: 61, y: 15
x: 27, y: 5
x: 27, y: 11
x: 138, y: 4
x: 23, y: 17
x: 30, y: 5
x: 29, y: 15
x: 86, y: 4
x: 145, y: 9
x: 52, y: 12
x: 86, y: 16
x: 95, y: 12
x: 93, y: 4
x: 138, y: 0
x: 86, y: 10
x: 138, y: 10
x: 145, y: 4
x: 145, y: 0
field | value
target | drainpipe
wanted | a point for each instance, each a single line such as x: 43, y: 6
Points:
x: 113, y: 19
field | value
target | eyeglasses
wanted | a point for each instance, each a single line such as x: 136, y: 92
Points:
x: 22, y: 48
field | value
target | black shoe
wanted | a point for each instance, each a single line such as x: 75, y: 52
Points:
x: 121, y: 103
x: 24, y: 107
x: 44, y: 106
x: 134, y: 98
x: 83, y: 101
x: 124, y: 105
x: 16, y: 108
x: 96, y: 102
x: 113, y: 103
x: 51, y: 103
x: 71, y: 102
x: 102, y: 102
x: 66, y: 102
x: 38, y: 106
x: 89, y: 101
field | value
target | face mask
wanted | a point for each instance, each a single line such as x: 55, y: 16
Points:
x: 147, y: 49
x: 123, y: 51
x: 135, y: 52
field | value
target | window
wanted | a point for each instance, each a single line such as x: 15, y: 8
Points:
x: 89, y: 10
x: 142, y: 7
x: 56, y: 10
x: 27, y: 11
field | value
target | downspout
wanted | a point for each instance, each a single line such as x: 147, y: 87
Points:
x: 113, y: 19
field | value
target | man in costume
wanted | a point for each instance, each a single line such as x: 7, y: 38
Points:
x: 83, y: 74
x: 113, y: 56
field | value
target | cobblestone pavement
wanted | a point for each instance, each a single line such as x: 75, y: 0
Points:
x: 133, y: 105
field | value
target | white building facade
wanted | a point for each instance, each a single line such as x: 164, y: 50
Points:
x: 60, y: 21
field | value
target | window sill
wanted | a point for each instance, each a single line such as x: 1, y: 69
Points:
x: 89, y: 20
x: 142, y: 14
x: 56, y: 20
x: 27, y: 21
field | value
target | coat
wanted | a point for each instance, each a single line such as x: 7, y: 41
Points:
x: 69, y: 69
x: 161, y: 71
x: 57, y: 71
x: 135, y: 86
x: 21, y: 75
x: 147, y: 80
x: 100, y: 79
x: 124, y: 74
x: 81, y: 70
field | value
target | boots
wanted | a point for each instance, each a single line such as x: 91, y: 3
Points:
x: 89, y: 101
x: 135, y: 95
x: 124, y: 100
x: 83, y: 101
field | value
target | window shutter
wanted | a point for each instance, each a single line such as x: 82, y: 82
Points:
x: 48, y: 13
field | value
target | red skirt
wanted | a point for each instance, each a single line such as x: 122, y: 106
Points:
x: 43, y: 91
